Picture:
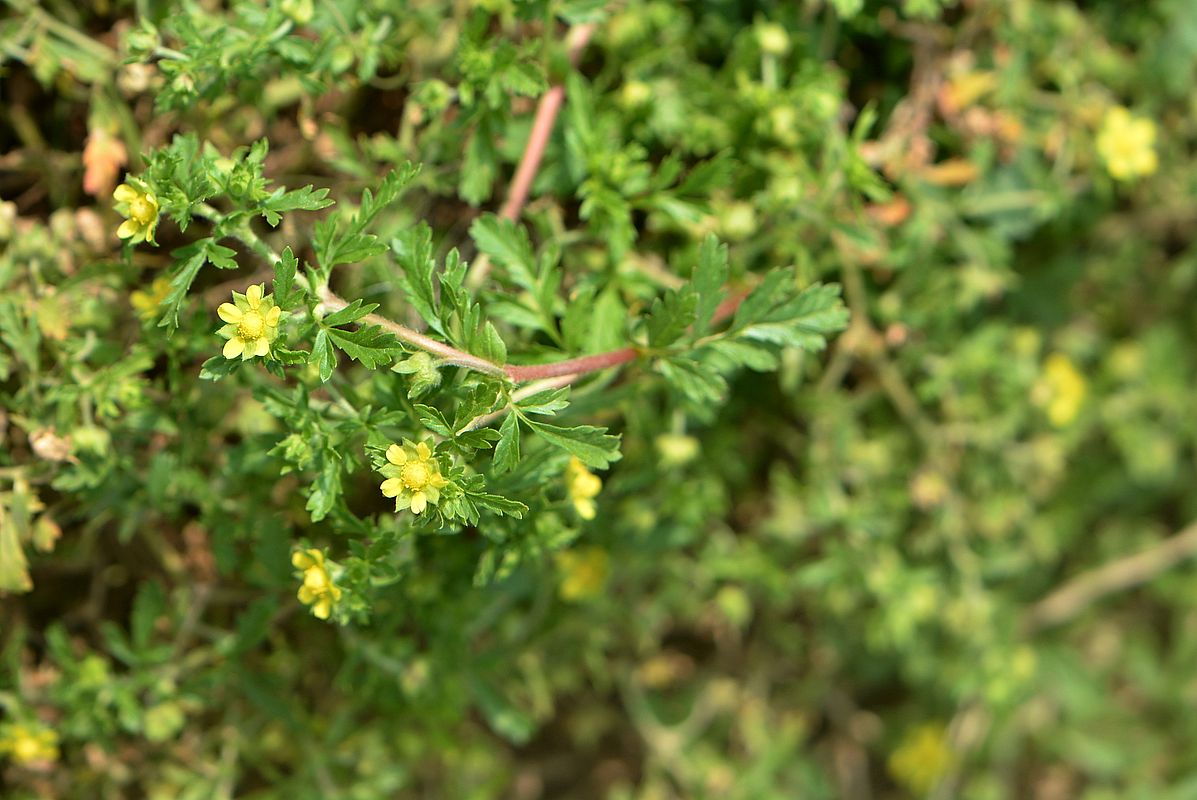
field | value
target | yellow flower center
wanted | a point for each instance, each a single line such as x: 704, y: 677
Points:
x: 415, y: 475
x: 251, y: 326
x: 141, y: 210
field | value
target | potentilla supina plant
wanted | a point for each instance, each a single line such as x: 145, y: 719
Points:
x: 413, y: 477
x: 252, y: 323
x: 583, y: 486
x: 319, y: 591
x: 136, y: 202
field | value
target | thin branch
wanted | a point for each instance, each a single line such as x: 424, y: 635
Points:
x: 523, y: 393
x: 538, y: 140
x: 1125, y: 573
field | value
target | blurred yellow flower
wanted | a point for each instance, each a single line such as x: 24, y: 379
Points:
x: 29, y: 745
x: 139, y: 206
x: 318, y: 589
x: 146, y: 303
x: 1060, y: 390
x: 1126, y: 144
x: 583, y: 572
x: 413, y: 477
x: 252, y: 323
x: 922, y: 758
x: 583, y: 486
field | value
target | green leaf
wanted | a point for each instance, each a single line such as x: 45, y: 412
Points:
x: 218, y: 367
x: 194, y: 255
x: 696, y: 381
x: 413, y: 251
x: 593, y: 446
x: 22, y: 339
x: 488, y: 344
x: 284, y: 279
x: 670, y: 316
x: 548, y: 402
x: 371, y: 346
x: 350, y: 313
x: 507, y: 450
x: 148, y: 606
x: 508, y: 245
x: 305, y: 199
x: 323, y: 355
x: 14, y: 569
x: 505, y: 719
x: 433, y: 420
x: 709, y: 278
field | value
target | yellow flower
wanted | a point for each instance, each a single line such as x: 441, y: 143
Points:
x: 922, y: 758
x: 137, y: 203
x: 583, y: 572
x: 29, y: 745
x: 1061, y: 390
x: 252, y: 323
x: 1127, y: 144
x: 583, y: 486
x: 318, y: 589
x: 413, y: 477
x: 146, y: 303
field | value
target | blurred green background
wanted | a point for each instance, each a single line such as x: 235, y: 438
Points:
x: 947, y: 557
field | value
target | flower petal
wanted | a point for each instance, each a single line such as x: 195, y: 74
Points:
x: 128, y: 229
x: 322, y: 609
x: 273, y: 315
x: 306, y: 595
x: 391, y: 487
x: 396, y: 455
x: 419, y: 501
x: 422, y: 451
x: 262, y: 347
x: 253, y: 295
x: 124, y: 194
x: 233, y: 347
x: 229, y: 313
x: 300, y: 559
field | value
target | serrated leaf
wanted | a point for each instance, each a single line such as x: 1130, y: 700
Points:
x: 696, y: 381
x: 709, y: 277
x: 219, y: 367
x: 371, y: 346
x: 593, y: 446
x: 413, y: 251
x: 488, y: 344
x: 433, y: 420
x: 508, y: 246
x: 306, y: 199
x: 350, y: 313
x: 507, y: 450
x: 323, y: 355
x: 284, y: 278
x: 547, y: 402
x: 670, y: 316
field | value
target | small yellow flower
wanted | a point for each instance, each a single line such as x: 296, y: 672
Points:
x: 583, y: 486
x: 252, y: 323
x: 318, y: 589
x: 146, y: 303
x: 1126, y: 144
x: 29, y: 745
x: 137, y: 203
x: 1061, y: 390
x: 583, y: 572
x: 922, y: 758
x: 413, y: 477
